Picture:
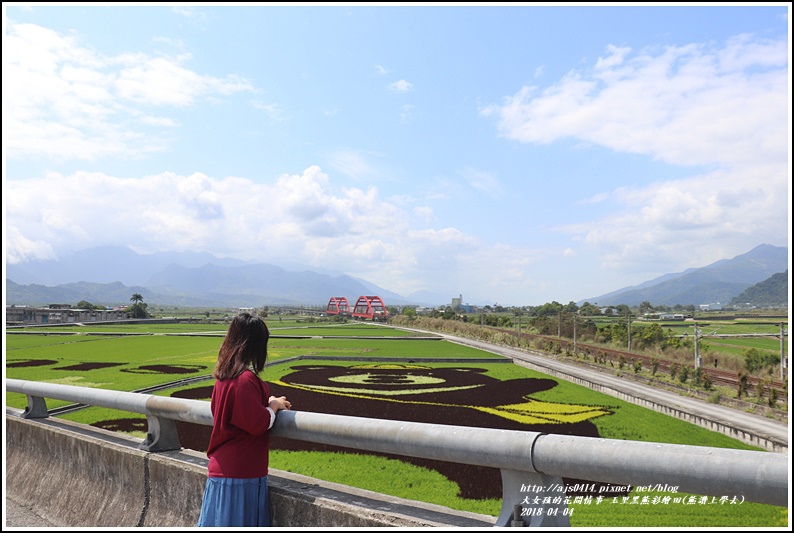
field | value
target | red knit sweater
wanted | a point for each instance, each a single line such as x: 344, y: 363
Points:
x: 240, y: 441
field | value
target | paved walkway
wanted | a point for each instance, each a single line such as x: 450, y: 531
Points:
x: 22, y: 516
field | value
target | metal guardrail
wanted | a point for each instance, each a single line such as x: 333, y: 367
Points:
x: 532, y: 464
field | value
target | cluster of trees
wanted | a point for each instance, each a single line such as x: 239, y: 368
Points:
x: 138, y: 309
x: 82, y: 304
x: 556, y: 319
x: 755, y: 359
x: 571, y: 321
x: 553, y: 308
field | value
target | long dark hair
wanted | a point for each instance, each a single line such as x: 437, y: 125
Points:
x: 245, y: 345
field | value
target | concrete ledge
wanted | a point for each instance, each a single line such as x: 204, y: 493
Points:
x: 75, y: 475
x: 323, y: 503
x: 175, y: 486
x: 73, y: 479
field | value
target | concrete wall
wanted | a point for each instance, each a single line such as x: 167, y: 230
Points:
x: 75, y: 475
x: 74, y: 478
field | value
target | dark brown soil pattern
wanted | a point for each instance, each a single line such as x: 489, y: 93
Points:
x: 94, y: 365
x: 31, y: 362
x: 88, y: 366
x: 166, y: 369
x: 447, y: 396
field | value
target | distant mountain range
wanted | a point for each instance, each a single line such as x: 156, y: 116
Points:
x: 772, y: 292
x: 203, y: 280
x: 184, y: 279
x: 719, y: 282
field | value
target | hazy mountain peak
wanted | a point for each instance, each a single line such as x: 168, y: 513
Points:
x: 720, y: 281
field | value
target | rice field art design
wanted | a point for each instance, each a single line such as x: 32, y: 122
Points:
x: 462, y: 396
x: 421, y: 388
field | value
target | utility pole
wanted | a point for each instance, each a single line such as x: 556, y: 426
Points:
x: 698, y: 362
x: 559, y: 324
x: 628, y: 322
x: 574, y: 333
x: 782, y: 353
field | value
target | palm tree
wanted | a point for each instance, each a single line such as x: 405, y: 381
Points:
x: 138, y: 308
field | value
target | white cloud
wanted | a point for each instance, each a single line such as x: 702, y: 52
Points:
x: 185, y: 11
x: 425, y: 214
x: 176, y: 43
x: 225, y: 216
x: 161, y: 122
x: 401, y: 86
x: 353, y: 165
x: 66, y: 102
x: 743, y: 52
x: 163, y: 81
x: 726, y: 109
x: 300, y: 218
x: 23, y: 249
x: 616, y: 56
x: 458, y: 263
x: 195, y: 16
x: 484, y: 182
x: 595, y: 199
x: 688, y: 105
x: 698, y: 215
x: 406, y: 113
x: 447, y: 237
x: 273, y: 111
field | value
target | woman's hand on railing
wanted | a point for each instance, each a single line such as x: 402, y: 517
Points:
x: 280, y: 402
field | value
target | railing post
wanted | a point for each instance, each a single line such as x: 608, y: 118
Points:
x: 537, y: 499
x: 37, y: 407
x: 162, y: 435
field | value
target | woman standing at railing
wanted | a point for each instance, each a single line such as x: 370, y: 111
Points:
x: 243, y: 411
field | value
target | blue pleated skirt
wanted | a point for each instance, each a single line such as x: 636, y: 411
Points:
x: 230, y: 502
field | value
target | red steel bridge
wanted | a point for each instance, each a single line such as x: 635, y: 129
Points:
x: 366, y: 308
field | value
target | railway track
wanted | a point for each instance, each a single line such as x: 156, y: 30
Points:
x: 613, y: 356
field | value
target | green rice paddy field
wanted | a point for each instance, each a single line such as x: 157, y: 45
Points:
x: 133, y: 357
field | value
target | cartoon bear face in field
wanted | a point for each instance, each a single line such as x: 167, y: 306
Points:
x: 458, y: 396
x: 419, y: 385
x: 461, y: 396
x: 387, y: 379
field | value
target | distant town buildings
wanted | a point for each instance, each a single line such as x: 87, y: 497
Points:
x: 60, y: 314
x: 663, y: 316
x: 459, y: 307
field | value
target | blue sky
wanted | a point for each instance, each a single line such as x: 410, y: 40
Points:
x: 514, y: 153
